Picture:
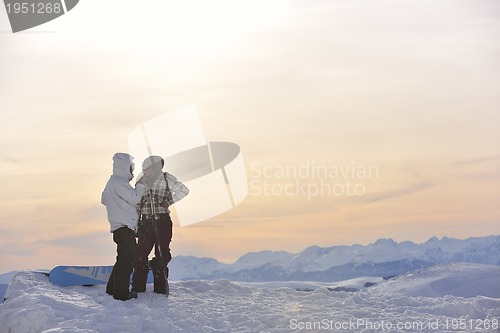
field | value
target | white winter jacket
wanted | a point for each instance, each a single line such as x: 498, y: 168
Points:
x: 119, y: 197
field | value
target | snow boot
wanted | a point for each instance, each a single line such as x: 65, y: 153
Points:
x: 131, y: 294
x: 165, y: 290
x: 139, y: 280
x: 160, y: 281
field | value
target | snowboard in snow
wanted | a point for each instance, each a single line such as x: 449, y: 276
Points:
x: 83, y: 275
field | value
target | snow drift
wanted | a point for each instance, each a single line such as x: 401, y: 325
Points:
x: 33, y: 304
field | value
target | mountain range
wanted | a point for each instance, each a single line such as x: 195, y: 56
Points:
x: 383, y: 258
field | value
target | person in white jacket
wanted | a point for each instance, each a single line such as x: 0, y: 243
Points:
x: 120, y: 199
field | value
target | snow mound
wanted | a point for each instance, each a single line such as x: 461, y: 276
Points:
x: 351, y: 284
x: 461, y: 280
x: 35, y: 305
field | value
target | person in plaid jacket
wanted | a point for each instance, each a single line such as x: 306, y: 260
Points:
x: 155, y: 225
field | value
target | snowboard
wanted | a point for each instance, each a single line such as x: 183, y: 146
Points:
x: 83, y: 275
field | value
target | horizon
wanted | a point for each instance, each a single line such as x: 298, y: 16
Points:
x: 312, y: 245
x: 355, y: 121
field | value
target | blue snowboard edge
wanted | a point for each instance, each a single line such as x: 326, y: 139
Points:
x: 83, y: 275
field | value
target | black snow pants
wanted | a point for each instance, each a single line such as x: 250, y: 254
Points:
x: 126, y: 248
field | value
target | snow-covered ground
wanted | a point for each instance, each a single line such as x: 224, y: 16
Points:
x: 35, y: 305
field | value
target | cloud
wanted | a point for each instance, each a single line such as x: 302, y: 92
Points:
x: 16, y: 248
x: 93, y: 242
x: 479, y: 160
x: 395, y: 193
x: 11, y: 160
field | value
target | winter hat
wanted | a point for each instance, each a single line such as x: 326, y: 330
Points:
x: 155, y: 161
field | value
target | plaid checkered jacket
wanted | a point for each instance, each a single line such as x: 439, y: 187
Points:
x: 166, y: 191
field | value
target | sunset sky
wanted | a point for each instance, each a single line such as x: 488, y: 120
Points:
x: 408, y: 88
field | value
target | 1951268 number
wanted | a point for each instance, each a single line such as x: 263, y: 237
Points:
x: 473, y: 324
x: 32, y: 8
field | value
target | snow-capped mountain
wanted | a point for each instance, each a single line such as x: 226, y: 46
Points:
x: 184, y: 266
x: 385, y: 257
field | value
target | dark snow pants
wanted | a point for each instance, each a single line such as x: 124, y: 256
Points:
x: 126, y: 248
x: 147, y: 239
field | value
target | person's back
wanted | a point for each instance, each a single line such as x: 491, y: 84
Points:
x: 120, y: 199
